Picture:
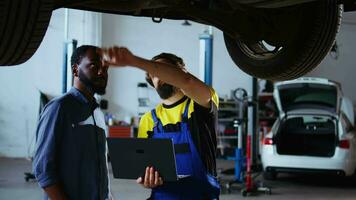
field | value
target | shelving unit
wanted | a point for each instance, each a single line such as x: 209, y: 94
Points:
x: 142, y: 98
x: 227, y: 134
x: 267, y: 108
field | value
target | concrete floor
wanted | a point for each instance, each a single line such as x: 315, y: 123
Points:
x: 14, y: 187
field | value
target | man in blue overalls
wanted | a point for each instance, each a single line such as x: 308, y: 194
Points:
x: 188, y: 115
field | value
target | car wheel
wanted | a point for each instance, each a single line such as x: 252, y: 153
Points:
x: 270, y: 175
x: 299, y: 54
x: 23, y: 24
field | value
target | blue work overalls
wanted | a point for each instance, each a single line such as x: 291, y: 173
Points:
x: 199, y: 184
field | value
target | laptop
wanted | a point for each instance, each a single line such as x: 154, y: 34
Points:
x: 130, y: 156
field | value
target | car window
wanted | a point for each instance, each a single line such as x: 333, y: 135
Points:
x: 314, y: 119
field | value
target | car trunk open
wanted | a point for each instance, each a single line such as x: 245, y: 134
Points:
x: 307, y: 93
x: 307, y: 135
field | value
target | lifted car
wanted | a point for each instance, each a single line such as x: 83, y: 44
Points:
x: 269, y: 39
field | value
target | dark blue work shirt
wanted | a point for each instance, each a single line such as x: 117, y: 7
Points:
x: 71, y: 148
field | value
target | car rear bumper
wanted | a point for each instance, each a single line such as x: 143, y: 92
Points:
x: 306, y: 170
x: 339, y: 164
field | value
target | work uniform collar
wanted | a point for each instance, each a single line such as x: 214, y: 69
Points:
x: 80, y: 97
x: 176, y: 103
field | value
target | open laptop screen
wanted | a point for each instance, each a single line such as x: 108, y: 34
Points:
x: 130, y: 156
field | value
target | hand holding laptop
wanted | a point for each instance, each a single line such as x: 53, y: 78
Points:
x: 151, y: 179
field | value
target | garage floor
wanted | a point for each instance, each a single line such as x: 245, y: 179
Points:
x: 13, y: 186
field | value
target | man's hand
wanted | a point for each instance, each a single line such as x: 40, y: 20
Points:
x: 117, y: 56
x: 151, y: 178
x: 55, y: 192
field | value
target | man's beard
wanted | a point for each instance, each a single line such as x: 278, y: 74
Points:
x: 89, y: 84
x: 165, y: 90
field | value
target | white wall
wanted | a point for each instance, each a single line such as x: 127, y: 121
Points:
x: 343, y: 69
x: 19, y: 94
x: 147, y: 39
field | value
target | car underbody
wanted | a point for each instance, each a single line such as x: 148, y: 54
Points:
x: 269, y: 39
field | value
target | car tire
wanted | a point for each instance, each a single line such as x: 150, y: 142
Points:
x: 23, y: 24
x: 270, y: 175
x: 301, y: 54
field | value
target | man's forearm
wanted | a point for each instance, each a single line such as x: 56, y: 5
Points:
x: 55, y: 192
x: 190, y: 85
x: 165, y: 72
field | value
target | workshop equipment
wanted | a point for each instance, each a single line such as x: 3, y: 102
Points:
x: 243, y: 153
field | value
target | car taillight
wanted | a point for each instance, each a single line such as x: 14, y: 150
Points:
x: 344, y: 144
x: 268, y: 141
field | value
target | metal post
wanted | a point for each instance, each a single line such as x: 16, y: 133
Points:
x: 65, y: 52
x: 74, y: 47
x: 206, y: 56
x: 255, y: 131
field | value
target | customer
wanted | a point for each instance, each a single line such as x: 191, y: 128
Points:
x: 70, y: 160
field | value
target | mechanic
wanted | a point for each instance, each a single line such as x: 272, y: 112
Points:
x: 188, y: 115
x: 70, y: 160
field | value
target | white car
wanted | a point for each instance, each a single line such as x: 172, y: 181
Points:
x: 314, y: 131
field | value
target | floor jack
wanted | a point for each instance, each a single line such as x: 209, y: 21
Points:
x: 243, y: 165
x: 251, y: 187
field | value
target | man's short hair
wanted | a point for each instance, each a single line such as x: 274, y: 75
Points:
x: 80, y: 52
x: 169, y: 58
